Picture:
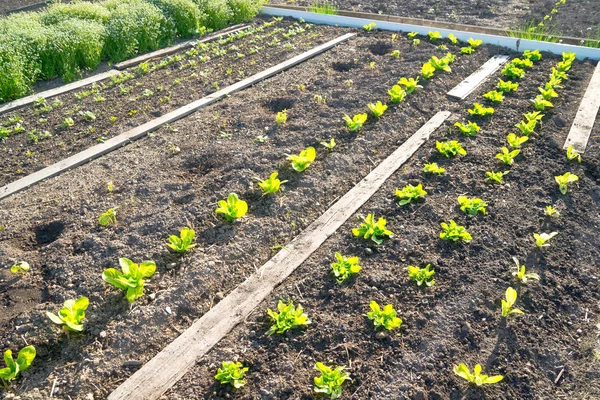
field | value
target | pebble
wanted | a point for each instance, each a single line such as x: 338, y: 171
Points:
x: 132, y: 363
x: 103, y: 334
x: 368, y: 251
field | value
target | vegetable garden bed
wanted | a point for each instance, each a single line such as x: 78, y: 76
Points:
x: 175, y: 177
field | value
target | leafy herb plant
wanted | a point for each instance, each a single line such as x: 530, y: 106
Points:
x: 470, y: 129
x: 515, y: 141
x: 409, y: 84
x: 507, y: 86
x: 109, y: 217
x: 434, y: 36
x: 232, y: 208
x: 345, y: 267
x: 356, y: 122
x: 433, y: 168
x: 496, y: 177
x: 551, y: 211
x: 507, y: 157
x: 131, y: 277
x: 376, y: 231
x: 272, y: 184
x: 507, y: 304
x: 410, y: 193
x: 494, y: 96
x: 331, y: 380
x: 476, y: 377
x: 521, y: 273
x: 281, y: 117
x: 377, y: 109
x: 427, y: 70
x: 329, y: 145
x: 450, y: 148
x: 288, y: 317
x: 20, y: 267
x: 303, y: 160
x: 385, y: 318
x: 454, y: 232
x: 472, y: 206
x: 182, y: 243
x: 480, y: 111
x: 15, y: 367
x: 542, y: 239
x: 564, y: 179
x: 71, y: 315
x: 573, y: 155
x: 422, y: 276
x: 397, y: 94
x: 231, y: 373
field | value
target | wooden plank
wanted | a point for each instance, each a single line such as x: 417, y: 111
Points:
x: 472, y: 82
x: 586, y: 115
x: 69, y: 87
x: 140, y: 131
x: 168, y: 366
x: 174, y: 49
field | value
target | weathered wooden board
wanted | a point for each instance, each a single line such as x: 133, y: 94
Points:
x: 140, y: 131
x: 168, y: 366
x: 586, y: 115
x: 473, y: 81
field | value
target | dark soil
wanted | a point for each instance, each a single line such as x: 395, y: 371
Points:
x: 54, y: 226
x: 573, y: 19
x: 10, y: 5
x: 548, y: 353
x: 148, y: 96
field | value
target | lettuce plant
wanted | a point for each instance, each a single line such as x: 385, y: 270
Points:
x: 565, y: 179
x: 453, y: 39
x: 527, y: 128
x: 131, y: 277
x: 496, y: 177
x: 507, y: 304
x: 345, y: 267
x: 410, y: 84
x: 550, y: 211
x: 232, y: 208
x: 511, y: 71
x: 273, y: 184
x: 467, y: 50
x: 182, y: 243
x: 533, y: 116
x: 558, y: 75
x: 476, y: 377
x: 288, y: 317
x: 548, y: 93
x: 356, y: 122
x: 494, y: 96
x: 573, y: 155
x: 433, y: 168
x: 71, y: 315
x: 474, y: 43
x: 67, y: 123
x: 369, y: 27
x: 422, y: 276
x: 231, y: 373
x: 522, y: 63
x: 521, y: 273
x: 383, y: 318
x: 434, y: 36
x: 515, y: 141
x: 427, y: 70
x: 533, y: 55
x: 20, y: 267
x: 395, y: 54
x: 507, y: 157
x: 553, y: 83
x: 480, y: 111
x: 109, y: 217
x: 542, y: 239
x: 454, y: 232
x: 472, y: 206
x: 410, y: 193
x: 329, y: 145
x: 450, y: 148
x: 397, y: 94
x: 441, y: 64
x: 331, y: 380
x: 304, y: 159
x: 281, y: 117
x: 412, y: 35
x: 470, y: 129
x: 369, y: 229
x: 507, y: 86
x: 15, y: 367
x: 377, y: 109
x: 541, y: 104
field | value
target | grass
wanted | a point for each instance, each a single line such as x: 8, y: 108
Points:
x: 593, y: 40
x: 325, y: 8
x: 534, y: 31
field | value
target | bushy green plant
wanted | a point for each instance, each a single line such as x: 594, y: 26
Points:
x: 15, y: 367
x: 231, y: 373
x: 376, y: 231
x: 454, y: 232
x: 71, y: 315
x: 480, y: 111
x: 303, y: 160
x: 288, y: 317
x: 433, y: 168
x: 377, y: 109
x: 85, y: 10
x: 496, y: 177
x: 516, y: 141
x: 476, y: 377
x: 507, y: 157
x: 533, y: 55
x: 474, y: 43
x: 540, y: 103
x: 472, y: 206
x: 385, y: 318
x: 232, y: 208
x: 410, y: 193
x: 410, y: 84
x: 272, y: 184
x: 427, y: 70
x: 470, y: 129
x: 182, y: 243
x: 494, y: 96
x: 331, y: 380
x: 513, y: 72
x: 397, y: 94
x: 450, y: 148
x: 524, y: 63
x: 184, y: 17
x: 130, y: 278
x: 422, y: 276
x: 507, y: 86
x: 345, y: 267
x: 109, y: 217
x: 434, y: 36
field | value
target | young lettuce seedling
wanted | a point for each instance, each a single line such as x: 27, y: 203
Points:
x: 565, y: 179
x: 433, y: 168
x: 522, y: 63
x: 288, y: 317
x: 409, y: 84
x: 20, y: 267
x: 369, y: 27
x: 410, y: 193
x: 472, y: 206
x: 377, y: 109
x: 521, y: 273
x: 422, y: 276
x: 395, y: 54
x: 515, y: 141
x: 551, y: 211
x: 511, y: 71
x: 109, y: 217
x: 527, y: 128
x: 356, y: 122
x: 397, y: 94
x: 182, y: 243
x: 507, y: 157
x: 383, y: 318
x: 470, y: 129
x: 232, y: 208
x: 371, y: 230
x: 453, y: 39
x: 450, y: 148
x: 231, y: 373
x: 304, y: 159
x: 507, y: 304
x: 15, y: 367
x: 331, y: 380
x: 434, y: 36
x: 131, y: 277
x: 507, y: 86
x: 480, y: 111
x: 412, y: 35
x: 454, y: 232
x: 476, y: 377
x: 573, y: 155
x: 281, y: 117
x: 441, y: 64
x: 534, y: 55
x: 541, y: 239
x: 474, y: 43
x: 548, y: 93
x: 494, y: 96
x: 271, y: 185
x: 71, y: 315
x: 467, y: 50
x: 329, y: 145
x: 496, y: 177
x: 427, y: 70
x: 345, y: 267
x: 541, y: 104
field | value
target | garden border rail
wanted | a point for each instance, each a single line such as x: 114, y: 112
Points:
x: 167, y: 367
x: 140, y: 131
